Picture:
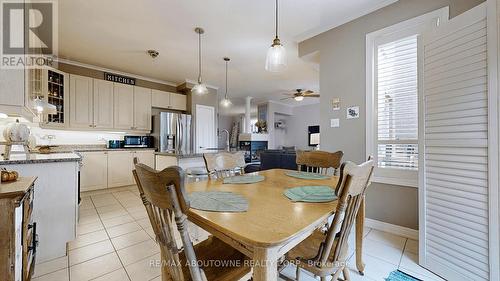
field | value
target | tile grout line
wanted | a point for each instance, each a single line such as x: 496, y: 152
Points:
x: 112, y: 245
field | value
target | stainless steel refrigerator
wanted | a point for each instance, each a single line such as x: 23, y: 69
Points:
x: 172, y: 132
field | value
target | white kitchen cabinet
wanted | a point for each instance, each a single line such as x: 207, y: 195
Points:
x: 123, y: 106
x: 178, y: 101
x: 94, y: 170
x: 81, y: 102
x: 168, y: 100
x: 142, y: 109
x: 160, y: 99
x: 146, y: 157
x: 120, y: 168
x: 103, y: 104
x: 165, y: 161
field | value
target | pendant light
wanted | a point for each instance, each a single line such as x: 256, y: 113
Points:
x: 200, y: 88
x: 276, y: 55
x: 41, y: 106
x: 226, y: 102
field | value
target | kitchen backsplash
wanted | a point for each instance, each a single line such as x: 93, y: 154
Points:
x: 60, y: 137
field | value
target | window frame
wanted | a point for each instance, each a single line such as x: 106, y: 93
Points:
x: 414, y: 26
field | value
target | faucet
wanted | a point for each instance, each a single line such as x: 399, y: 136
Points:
x: 227, y: 139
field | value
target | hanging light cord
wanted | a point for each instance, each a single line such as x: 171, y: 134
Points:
x: 225, y: 96
x: 199, y: 58
x: 276, y: 19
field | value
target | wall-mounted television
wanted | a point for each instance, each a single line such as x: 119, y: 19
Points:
x: 313, y: 135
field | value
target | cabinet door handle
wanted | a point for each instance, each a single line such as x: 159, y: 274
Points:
x: 91, y: 126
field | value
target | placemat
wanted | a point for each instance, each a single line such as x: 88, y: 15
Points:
x: 306, y: 176
x: 311, y: 194
x: 244, y: 179
x: 218, y: 201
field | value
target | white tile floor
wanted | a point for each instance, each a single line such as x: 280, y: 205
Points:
x: 116, y: 242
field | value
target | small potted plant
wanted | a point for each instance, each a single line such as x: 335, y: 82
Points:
x: 261, y: 126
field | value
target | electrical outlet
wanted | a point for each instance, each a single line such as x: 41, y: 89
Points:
x: 334, y: 123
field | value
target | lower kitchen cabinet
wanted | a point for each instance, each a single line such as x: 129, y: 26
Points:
x: 146, y: 157
x: 165, y: 161
x: 94, y: 171
x: 107, y: 169
x: 120, y: 168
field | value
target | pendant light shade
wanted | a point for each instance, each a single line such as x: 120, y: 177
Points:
x: 276, y: 55
x: 226, y: 102
x: 41, y: 106
x: 200, y: 88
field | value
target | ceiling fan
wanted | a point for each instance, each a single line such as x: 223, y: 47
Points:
x: 300, y: 94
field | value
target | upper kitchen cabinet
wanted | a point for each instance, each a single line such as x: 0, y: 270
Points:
x: 142, y: 109
x: 123, y: 106
x: 12, y: 97
x: 178, y: 101
x: 54, y: 89
x: 103, y: 104
x: 81, y: 102
x: 168, y: 100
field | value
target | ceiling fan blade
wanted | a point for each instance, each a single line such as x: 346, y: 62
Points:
x: 308, y: 92
x: 312, y: 96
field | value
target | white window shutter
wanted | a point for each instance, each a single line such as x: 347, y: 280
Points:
x: 454, y: 172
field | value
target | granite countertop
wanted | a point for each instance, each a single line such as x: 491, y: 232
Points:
x: 90, y: 148
x: 16, y: 188
x: 35, y: 158
x: 180, y: 156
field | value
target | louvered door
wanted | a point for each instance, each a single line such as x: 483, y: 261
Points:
x: 454, y: 171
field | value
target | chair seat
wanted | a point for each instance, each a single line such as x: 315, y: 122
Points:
x: 213, y: 255
x: 308, y: 249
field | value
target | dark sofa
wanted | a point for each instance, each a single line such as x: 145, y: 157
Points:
x: 278, y: 159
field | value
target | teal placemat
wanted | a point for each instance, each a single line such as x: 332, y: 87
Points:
x: 306, y: 176
x: 311, y: 194
x: 218, y: 201
x: 398, y: 275
x: 244, y: 179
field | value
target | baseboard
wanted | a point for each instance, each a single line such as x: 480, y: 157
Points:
x: 392, y: 228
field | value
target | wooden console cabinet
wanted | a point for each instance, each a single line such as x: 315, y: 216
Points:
x: 19, y: 239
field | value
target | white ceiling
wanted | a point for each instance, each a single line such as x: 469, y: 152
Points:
x: 116, y: 34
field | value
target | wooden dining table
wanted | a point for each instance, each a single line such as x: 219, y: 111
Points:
x: 273, y: 224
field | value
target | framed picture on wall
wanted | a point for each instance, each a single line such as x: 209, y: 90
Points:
x: 352, y: 112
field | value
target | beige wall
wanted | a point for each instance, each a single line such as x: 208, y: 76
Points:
x: 342, y: 74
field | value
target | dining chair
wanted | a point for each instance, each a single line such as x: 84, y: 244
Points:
x: 164, y: 197
x: 325, y: 252
x: 318, y: 161
x: 225, y: 164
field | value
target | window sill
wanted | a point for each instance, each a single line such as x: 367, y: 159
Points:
x: 396, y: 181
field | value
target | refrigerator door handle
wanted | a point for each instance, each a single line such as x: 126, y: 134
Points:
x: 180, y: 148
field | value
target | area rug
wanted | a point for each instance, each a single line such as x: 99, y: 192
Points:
x: 398, y: 275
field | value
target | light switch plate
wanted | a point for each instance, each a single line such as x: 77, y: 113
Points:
x: 334, y: 123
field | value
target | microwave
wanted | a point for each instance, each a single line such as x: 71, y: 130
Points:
x: 138, y: 141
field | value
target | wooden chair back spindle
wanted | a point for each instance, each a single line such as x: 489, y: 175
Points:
x: 163, y: 195
x: 318, y: 161
x: 224, y: 164
x: 351, y: 190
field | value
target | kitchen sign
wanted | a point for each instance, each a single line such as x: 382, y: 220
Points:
x: 119, y: 79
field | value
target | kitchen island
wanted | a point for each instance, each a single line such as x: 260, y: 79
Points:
x: 55, y: 208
